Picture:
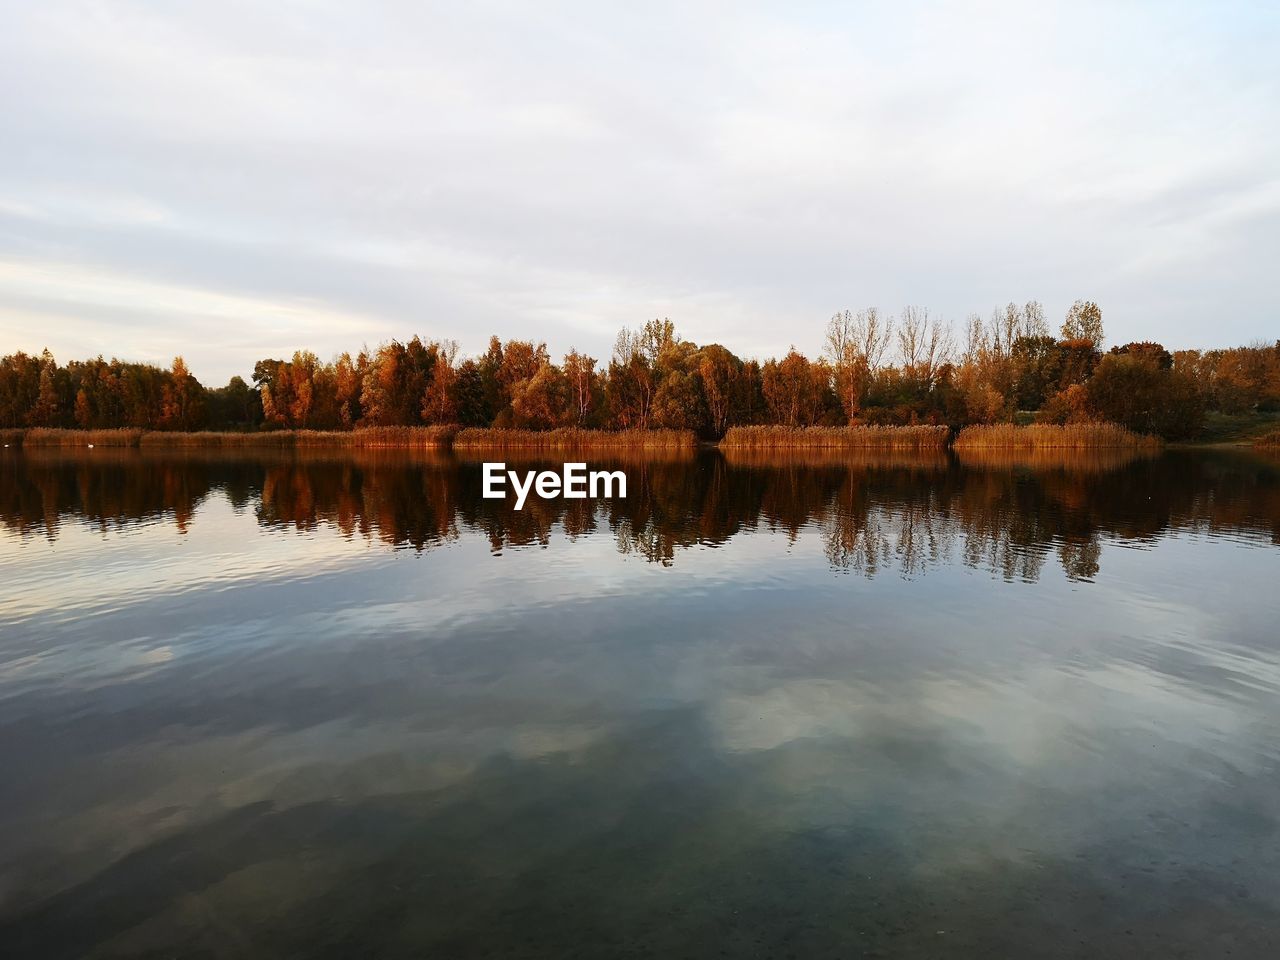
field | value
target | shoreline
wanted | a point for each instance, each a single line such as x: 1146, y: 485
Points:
x: 754, y: 439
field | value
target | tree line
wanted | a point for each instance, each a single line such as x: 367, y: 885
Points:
x: 875, y: 368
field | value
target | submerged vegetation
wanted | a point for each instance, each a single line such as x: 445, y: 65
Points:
x: 911, y: 370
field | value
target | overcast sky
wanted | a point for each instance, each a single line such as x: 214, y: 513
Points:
x: 237, y: 180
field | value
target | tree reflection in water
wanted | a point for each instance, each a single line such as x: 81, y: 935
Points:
x: 876, y: 514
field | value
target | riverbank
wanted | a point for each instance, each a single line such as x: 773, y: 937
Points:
x: 1234, y: 429
x: 364, y: 437
x: 750, y: 438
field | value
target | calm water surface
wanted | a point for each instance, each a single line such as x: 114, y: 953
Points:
x: 786, y: 707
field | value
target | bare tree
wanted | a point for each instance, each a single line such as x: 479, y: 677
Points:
x: 924, y: 345
x: 847, y: 363
x: 977, y: 343
x: 1033, y: 321
x: 873, y: 335
x: 1003, y: 330
x: 855, y: 347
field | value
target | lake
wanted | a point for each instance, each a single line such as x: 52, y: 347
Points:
x: 766, y: 706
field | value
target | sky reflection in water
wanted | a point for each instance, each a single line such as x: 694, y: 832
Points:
x: 340, y: 706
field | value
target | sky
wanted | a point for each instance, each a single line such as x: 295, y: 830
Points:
x: 236, y: 180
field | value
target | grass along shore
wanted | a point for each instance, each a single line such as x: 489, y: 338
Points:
x: 364, y: 437
x: 412, y: 438
x: 752, y: 438
x: 837, y: 438
x: 1047, y: 435
x: 571, y: 438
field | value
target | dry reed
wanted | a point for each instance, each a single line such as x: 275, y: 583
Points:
x: 921, y: 437
x: 404, y: 438
x: 1046, y: 435
x: 572, y: 438
x: 869, y: 458
x: 48, y: 437
x: 213, y: 439
x: 1268, y: 440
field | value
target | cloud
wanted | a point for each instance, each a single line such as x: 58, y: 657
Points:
x: 559, y: 171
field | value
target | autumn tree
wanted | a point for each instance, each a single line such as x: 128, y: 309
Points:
x: 470, y: 395
x: 395, y: 381
x: 583, y: 385
x: 182, y: 406
x: 440, y: 401
x: 236, y: 406
x: 1147, y: 350
x: 723, y: 387
x: 795, y: 389
x: 848, y: 363
x: 632, y: 380
x: 300, y: 373
x: 678, y: 403
x: 1083, y: 322
x: 541, y: 401
x: 19, y: 388
x: 855, y: 347
x: 348, y: 375
x: 1037, y: 370
x: 47, y: 408
x: 142, y: 394
x: 96, y: 388
x: 1135, y: 390
x: 924, y: 345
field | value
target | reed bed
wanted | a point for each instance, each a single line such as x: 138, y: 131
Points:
x: 213, y: 439
x: 402, y: 438
x: 10, y: 438
x: 861, y: 458
x: 1049, y: 435
x: 1268, y: 441
x: 921, y: 437
x: 48, y: 437
x: 552, y: 457
x: 569, y: 438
